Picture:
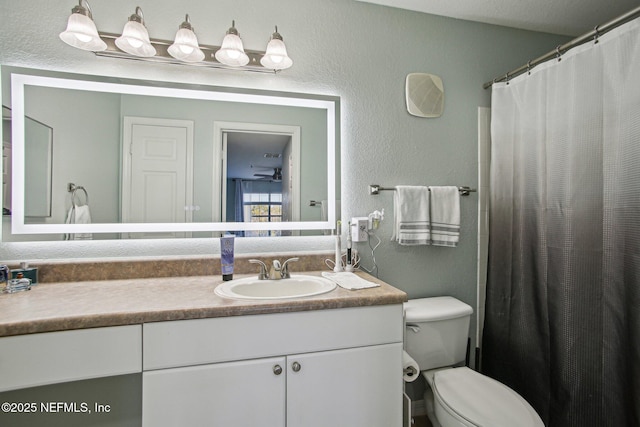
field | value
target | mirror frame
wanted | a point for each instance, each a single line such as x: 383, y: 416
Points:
x: 20, y: 79
x: 46, y: 165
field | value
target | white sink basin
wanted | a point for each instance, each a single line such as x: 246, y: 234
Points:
x: 295, y: 287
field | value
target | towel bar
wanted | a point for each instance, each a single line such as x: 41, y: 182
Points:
x: 376, y: 189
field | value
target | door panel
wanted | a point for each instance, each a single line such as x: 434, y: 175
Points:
x: 359, y: 387
x: 247, y: 393
x: 157, y: 182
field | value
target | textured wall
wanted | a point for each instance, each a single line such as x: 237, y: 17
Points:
x: 360, y: 52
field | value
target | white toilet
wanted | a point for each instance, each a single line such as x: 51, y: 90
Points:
x: 436, y: 338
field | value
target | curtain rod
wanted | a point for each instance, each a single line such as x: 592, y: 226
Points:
x: 591, y: 35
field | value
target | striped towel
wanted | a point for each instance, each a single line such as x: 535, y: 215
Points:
x: 445, y: 216
x: 411, y: 215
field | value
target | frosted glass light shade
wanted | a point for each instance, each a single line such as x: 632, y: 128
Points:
x: 276, y: 56
x: 81, y: 33
x: 135, y: 40
x: 232, y: 51
x: 185, y: 46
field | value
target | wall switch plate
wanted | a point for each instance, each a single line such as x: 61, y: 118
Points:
x: 359, y: 227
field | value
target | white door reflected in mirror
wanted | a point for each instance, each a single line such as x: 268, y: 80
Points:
x: 157, y: 177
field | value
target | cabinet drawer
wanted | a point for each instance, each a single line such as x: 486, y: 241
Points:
x: 54, y: 357
x: 193, y: 342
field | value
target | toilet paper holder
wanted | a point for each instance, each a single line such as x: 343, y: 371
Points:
x: 410, y: 368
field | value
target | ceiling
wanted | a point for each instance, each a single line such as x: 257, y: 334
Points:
x: 566, y: 17
x: 250, y: 155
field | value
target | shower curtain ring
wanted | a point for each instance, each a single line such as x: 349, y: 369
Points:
x: 596, y: 35
x: 558, y: 53
x: 529, y: 67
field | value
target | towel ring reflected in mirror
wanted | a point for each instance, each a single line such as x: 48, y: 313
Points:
x: 73, y: 189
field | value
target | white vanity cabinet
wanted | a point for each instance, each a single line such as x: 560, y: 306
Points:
x: 338, y: 367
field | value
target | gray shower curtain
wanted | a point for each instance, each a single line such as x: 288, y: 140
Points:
x: 562, y: 322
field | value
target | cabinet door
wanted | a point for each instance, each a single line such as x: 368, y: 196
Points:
x: 248, y: 393
x: 360, y: 387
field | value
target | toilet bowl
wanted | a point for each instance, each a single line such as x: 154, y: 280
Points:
x: 435, y: 337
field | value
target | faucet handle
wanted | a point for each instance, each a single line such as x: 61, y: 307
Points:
x: 263, y: 269
x: 284, y: 272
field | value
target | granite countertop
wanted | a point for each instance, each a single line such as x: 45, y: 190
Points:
x: 88, y: 304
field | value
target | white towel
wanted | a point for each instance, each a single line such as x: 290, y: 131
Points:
x: 411, y: 215
x: 79, y: 215
x: 445, y: 216
x: 349, y: 280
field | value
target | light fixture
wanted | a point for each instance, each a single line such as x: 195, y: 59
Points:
x: 185, y: 45
x: 134, y: 43
x: 276, y: 57
x: 135, y: 37
x: 81, y: 31
x: 232, y: 52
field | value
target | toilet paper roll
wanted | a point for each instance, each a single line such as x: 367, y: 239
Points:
x: 410, y: 368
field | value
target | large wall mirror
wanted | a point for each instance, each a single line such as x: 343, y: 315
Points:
x: 142, y: 159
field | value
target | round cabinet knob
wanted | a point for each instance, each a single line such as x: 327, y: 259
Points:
x: 296, y: 367
x: 277, y: 369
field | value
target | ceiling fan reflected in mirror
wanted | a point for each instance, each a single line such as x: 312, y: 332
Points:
x: 276, y: 176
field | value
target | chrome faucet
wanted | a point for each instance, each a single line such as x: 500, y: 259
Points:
x: 276, y: 272
x: 284, y: 271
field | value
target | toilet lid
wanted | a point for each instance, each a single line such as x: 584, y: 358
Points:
x: 483, y: 401
x: 434, y: 309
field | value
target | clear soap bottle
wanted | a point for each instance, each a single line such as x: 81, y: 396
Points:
x: 18, y: 284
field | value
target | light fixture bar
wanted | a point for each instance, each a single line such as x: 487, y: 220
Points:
x: 162, y: 55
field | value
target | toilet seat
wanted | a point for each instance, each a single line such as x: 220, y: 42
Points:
x: 476, y: 400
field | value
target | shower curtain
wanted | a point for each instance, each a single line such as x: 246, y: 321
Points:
x: 562, y: 323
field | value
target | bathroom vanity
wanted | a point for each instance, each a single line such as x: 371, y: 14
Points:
x: 332, y: 359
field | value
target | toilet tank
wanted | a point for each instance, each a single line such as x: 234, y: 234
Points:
x: 436, y: 331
